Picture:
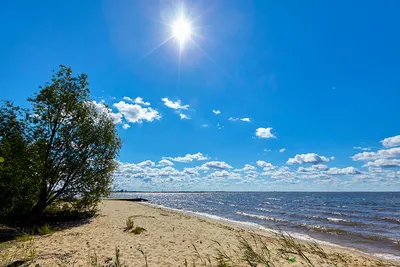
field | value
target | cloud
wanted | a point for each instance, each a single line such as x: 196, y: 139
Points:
x: 165, y: 162
x: 384, y: 163
x: 137, y: 100
x: 146, y: 163
x: 310, y: 158
x: 174, y: 105
x: 136, y: 114
x: 191, y: 171
x: 282, y: 172
x: 380, y: 154
x: 219, y: 126
x: 216, y: 112
x: 204, y: 126
x: 264, y: 133
x: 101, y: 107
x: 342, y: 171
x: 391, y: 141
x: 362, y: 148
x: 314, y: 168
x: 282, y: 150
x: 240, y: 119
x: 248, y: 167
x: 183, y: 116
x: 189, y: 158
x: 224, y: 174
x: 217, y: 165
x: 125, y: 126
x: 266, y: 165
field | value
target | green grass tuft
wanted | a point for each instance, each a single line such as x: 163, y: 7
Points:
x: 45, y: 229
x: 138, y: 230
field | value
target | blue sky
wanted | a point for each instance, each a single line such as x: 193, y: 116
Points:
x: 318, y: 79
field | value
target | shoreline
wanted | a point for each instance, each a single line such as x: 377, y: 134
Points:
x: 174, y: 237
x: 264, y: 230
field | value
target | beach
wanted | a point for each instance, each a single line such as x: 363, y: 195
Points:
x: 171, y: 238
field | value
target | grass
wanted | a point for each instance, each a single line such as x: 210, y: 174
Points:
x: 23, y: 252
x: 130, y: 227
x: 130, y: 224
x: 138, y: 230
x: 252, y: 250
x: 45, y: 229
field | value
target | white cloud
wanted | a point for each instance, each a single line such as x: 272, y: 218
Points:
x: 216, y: 112
x: 125, y: 126
x: 136, y: 114
x: 146, y: 163
x: 266, y: 165
x: 174, y: 105
x: 362, y: 148
x: 343, y: 171
x: 224, y: 174
x: 264, y: 133
x: 128, y: 99
x: 165, y: 162
x: 183, y: 116
x: 391, y: 141
x: 189, y: 158
x: 384, y: 163
x: 248, y: 167
x: 137, y: 100
x: 282, y: 172
x: 191, y: 171
x: 311, y: 158
x: 217, y: 165
x: 380, y: 154
x: 282, y: 150
x: 204, y: 125
x: 220, y: 126
x: 314, y: 168
x: 239, y: 119
x: 101, y: 107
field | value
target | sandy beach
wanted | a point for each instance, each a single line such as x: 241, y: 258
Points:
x: 172, y: 237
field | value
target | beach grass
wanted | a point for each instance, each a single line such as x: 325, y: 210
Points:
x: 174, y: 240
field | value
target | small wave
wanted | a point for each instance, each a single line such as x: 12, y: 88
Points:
x: 390, y: 219
x: 232, y: 205
x: 261, y: 217
x: 387, y: 256
x: 337, y: 220
x: 273, y: 198
x: 222, y: 203
x: 262, y: 209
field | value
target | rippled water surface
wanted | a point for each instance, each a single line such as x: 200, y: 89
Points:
x: 367, y: 221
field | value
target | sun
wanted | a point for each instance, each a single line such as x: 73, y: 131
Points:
x: 181, y: 29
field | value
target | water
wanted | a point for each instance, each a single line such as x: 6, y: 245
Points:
x: 367, y: 221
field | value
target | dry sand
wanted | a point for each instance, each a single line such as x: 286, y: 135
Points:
x: 169, y: 239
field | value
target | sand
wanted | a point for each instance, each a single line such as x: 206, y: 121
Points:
x: 169, y: 239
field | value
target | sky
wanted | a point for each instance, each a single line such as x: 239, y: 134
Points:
x: 260, y: 95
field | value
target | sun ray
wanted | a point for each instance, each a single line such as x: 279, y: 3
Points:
x: 210, y: 58
x: 155, y: 48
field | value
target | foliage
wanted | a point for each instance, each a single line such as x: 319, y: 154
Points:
x: 130, y: 224
x: 61, y: 150
x: 45, y: 230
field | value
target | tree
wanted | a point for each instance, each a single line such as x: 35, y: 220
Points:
x: 70, y: 144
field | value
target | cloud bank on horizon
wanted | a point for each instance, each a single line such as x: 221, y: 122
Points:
x: 198, y: 170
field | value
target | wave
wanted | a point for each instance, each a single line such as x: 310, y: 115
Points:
x: 261, y: 217
x: 252, y: 225
x: 389, y: 219
x: 337, y: 220
x: 263, y: 209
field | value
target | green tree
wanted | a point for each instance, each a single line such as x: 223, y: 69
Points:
x: 69, y: 143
